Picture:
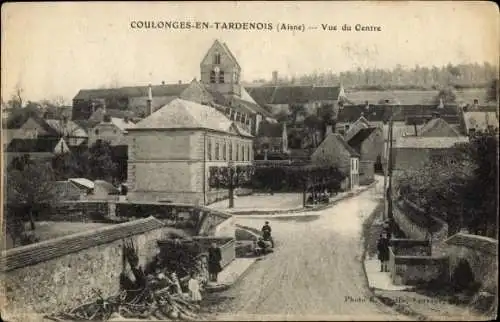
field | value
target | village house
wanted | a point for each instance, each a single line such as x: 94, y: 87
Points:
x: 271, y: 141
x: 112, y: 130
x: 478, y: 121
x: 334, y: 151
x: 279, y: 98
x: 369, y: 143
x: 219, y: 87
x: 413, y: 152
x: 437, y: 127
x: 172, y: 150
x: 73, y: 134
x: 39, y: 148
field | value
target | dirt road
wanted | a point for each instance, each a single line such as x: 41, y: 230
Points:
x: 315, y: 272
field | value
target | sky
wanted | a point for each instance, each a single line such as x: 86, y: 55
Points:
x: 55, y: 49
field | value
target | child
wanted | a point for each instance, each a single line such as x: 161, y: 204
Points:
x: 194, y: 289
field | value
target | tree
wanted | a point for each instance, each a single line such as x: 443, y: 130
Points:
x: 459, y: 187
x: 100, y: 162
x: 30, y: 187
x: 70, y: 165
x: 295, y: 111
x: 230, y: 177
x: 447, y: 95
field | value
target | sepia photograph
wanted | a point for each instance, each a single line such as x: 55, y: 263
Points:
x: 249, y: 161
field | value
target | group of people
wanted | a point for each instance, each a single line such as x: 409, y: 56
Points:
x: 383, y: 244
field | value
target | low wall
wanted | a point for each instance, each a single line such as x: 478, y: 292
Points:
x: 418, y: 225
x: 226, y: 245
x: 480, y: 253
x: 64, y: 272
x: 200, y: 220
x: 416, y: 270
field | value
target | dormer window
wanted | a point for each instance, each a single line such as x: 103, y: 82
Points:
x: 213, y: 77
x: 217, y: 59
x: 221, y: 77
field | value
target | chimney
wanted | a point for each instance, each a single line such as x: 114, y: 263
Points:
x: 476, y: 103
x: 150, y: 99
x: 163, y: 82
x: 275, y: 77
x: 441, y: 103
x: 180, y: 82
x: 367, y: 106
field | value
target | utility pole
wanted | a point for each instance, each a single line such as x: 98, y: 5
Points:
x: 390, y: 166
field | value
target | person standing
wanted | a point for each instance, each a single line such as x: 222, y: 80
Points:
x: 194, y: 289
x: 214, y: 258
x: 383, y: 252
x: 266, y: 233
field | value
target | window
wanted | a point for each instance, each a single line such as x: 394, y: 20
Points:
x: 224, y: 151
x: 242, y: 153
x: 209, y: 150
x: 217, y: 59
x: 217, y: 152
x: 212, y: 77
x: 221, y: 77
x: 236, y: 78
x: 230, y: 151
x: 96, y: 131
x: 237, y: 152
x: 248, y: 152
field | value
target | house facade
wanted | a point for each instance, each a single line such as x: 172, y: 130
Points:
x: 73, y: 134
x: 414, y: 152
x: 369, y: 143
x: 334, y: 151
x: 113, y: 130
x: 171, y: 152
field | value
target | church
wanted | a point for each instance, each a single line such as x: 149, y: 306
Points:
x: 219, y: 87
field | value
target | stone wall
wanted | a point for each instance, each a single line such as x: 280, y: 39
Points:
x: 64, y: 272
x: 480, y: 253
x: 416, y: 224
x: 417, y: 270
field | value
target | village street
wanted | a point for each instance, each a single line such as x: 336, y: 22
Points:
x: 315, y: 272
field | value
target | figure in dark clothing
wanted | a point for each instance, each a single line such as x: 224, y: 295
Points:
x: 266, y: 233
x: 383, y: 252
x: 214, y: 258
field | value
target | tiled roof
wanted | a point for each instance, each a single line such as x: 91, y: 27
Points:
x: 480, y: 120
x: 121, y: 124
x: 291, y: 94
x: 66, y: 190
x: 340, y: 140
x: 273, y: 130
x: 436, y: 124
x: 180, y: 114
x: 419, y: 142
x: 131, y: 91
x: 106, y: 186
x: 57, y: 247
x: 356, y: 141
x: 416, y: 97
x: 40, y: 144
x: 82, y: 182
x: 376, y: 113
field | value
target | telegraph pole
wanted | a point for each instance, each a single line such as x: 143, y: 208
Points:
x: 390, y: 166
